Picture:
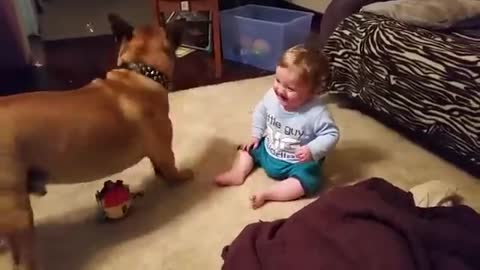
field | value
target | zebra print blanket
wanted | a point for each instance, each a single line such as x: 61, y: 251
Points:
x: 427, y: 82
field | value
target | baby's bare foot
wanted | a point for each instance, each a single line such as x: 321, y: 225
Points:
x: 257, y: 200
x: 229, y: 178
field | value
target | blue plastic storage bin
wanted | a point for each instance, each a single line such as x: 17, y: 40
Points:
x: 258, y: 35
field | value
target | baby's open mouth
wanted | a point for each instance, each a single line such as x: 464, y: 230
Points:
x: 282, y: 98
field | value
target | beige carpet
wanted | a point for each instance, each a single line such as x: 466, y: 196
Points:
x: 187, y: 226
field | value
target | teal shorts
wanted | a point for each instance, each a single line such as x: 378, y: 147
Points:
x: 308, y: 173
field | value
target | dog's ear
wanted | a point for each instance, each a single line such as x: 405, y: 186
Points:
x: 175, y: 30
x: 120, y: 28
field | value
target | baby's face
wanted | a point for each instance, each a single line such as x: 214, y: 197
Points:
x: 291, y: 91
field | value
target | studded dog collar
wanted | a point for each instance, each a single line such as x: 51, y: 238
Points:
x: 149, y: 72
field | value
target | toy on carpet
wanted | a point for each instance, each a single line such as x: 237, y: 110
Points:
x: 115, y: 199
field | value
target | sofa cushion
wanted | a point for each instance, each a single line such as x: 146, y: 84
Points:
x: 436, y: 14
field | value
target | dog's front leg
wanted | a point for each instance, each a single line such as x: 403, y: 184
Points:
x: 22, y: 250
x: 21, y: 240
x: 158, y: 143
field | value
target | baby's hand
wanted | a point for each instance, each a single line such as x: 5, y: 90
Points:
x: 303, y: 154
x: 253, y: 144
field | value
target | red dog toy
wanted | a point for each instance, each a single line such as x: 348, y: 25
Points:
x: 115, y: 199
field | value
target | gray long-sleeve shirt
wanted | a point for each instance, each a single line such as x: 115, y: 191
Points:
x: 286, y: 131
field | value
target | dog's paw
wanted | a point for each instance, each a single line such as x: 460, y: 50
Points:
x: 178, y: 177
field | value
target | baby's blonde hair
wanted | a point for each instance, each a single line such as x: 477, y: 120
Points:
x: 312, y: 65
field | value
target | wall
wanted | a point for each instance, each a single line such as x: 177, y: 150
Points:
x: 14, y: 46
x: 315, y: 5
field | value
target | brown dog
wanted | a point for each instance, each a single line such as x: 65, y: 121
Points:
x: 88, y: 133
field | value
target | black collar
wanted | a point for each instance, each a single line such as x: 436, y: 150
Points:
x: 149, y: 72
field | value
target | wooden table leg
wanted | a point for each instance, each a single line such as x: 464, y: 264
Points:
x: 158, y: 13
x: 217, y: 48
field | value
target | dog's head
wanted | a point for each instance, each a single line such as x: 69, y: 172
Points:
x: 153, y: 45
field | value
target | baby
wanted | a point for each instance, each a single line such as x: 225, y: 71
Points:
x: 292, y: 131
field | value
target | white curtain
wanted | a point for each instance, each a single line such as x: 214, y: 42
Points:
x: 28, y: 16
x: 15, y: 47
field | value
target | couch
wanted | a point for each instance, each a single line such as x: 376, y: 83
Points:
x: 424, y: 82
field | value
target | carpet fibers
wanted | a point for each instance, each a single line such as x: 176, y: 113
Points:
x: 186, y: 226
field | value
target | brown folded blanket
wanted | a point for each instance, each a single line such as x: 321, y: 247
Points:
x: 370, y: 225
